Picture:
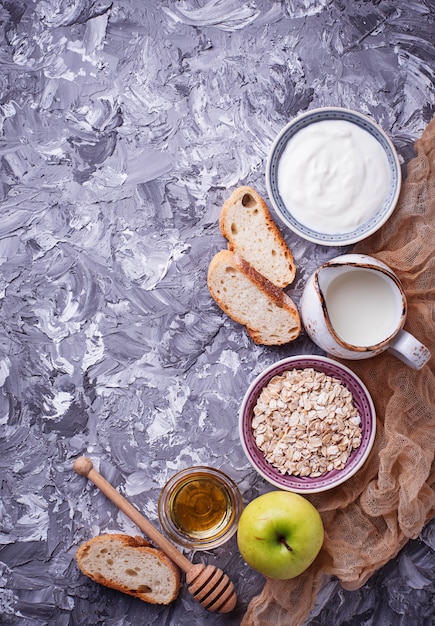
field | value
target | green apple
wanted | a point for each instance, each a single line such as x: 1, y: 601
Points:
x: 280, y: 534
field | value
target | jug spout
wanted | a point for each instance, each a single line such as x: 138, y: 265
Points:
x: 326, y: 274
x: 325, y: 280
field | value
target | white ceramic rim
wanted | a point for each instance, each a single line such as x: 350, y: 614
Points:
x: 338, y: 239
x: 340, y: 476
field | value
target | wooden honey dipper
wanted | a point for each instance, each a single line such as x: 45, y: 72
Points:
x: 208, y: 584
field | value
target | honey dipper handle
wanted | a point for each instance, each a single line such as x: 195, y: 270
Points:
x: 84, y: 467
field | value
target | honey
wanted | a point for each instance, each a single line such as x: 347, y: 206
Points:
x: 199, y: 507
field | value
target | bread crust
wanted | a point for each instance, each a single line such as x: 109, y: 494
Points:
x: 255, y: 232
x: 145, y: 551
x: 277, y: 297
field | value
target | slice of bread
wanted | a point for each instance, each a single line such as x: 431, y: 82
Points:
x: 249, y: 298
x: 246, y: 223
x: 131, y: 565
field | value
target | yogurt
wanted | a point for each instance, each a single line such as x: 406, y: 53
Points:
x: 333, y: 176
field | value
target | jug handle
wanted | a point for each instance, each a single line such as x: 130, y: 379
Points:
x: 408, y: 349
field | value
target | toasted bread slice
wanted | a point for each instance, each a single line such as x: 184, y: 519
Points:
x: 270, y: 316
x: 130, y: 565
x: 246, y: 223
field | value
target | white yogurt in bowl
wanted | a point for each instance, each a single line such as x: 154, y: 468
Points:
x: 333, y: 176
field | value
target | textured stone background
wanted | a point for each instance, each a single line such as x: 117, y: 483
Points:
x: 124, y: 126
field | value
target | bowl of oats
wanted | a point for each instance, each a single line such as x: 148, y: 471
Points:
x: 307, y: 423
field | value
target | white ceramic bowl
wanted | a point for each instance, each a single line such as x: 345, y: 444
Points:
x: 361, y: 398
x: 284, y: 212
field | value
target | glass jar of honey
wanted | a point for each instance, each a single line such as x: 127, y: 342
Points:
x: 199, y: 507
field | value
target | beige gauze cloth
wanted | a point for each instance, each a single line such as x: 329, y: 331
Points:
x: 391, y: 498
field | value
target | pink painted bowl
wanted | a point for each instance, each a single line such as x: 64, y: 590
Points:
x: 361, y: 399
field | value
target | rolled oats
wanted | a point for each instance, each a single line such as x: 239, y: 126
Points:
x: 305, y: 423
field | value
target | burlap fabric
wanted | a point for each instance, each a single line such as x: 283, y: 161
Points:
x: 369, y: 518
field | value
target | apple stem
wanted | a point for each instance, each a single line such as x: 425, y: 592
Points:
x: 282, y: 540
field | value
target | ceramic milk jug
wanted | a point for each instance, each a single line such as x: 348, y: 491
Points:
x: 354, y: 307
